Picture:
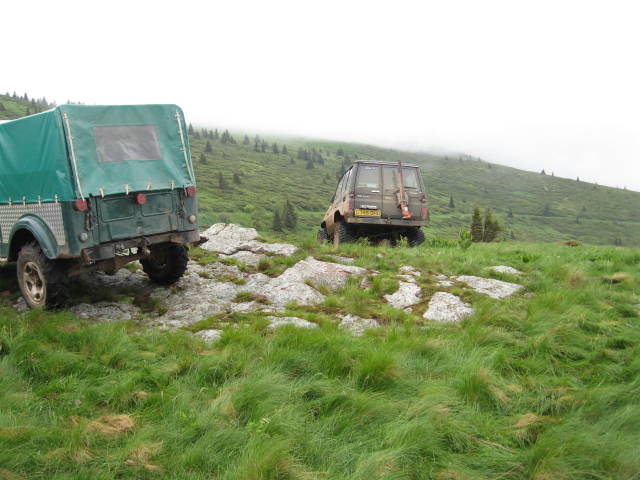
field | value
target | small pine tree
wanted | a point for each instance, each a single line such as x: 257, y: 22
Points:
x: 289, y: 216
x: 208, y: 148
x: 477, y: 229
x: 451, y: 204
x: 340, y: 152
x: 284, y: 150
x: 547, y: 211
x: 196, y: 136
x: 190, y: 130
x: 277, y: 222
x: 543, y: 172
x: 246, y: 140
x: 510, y: 214
x: 256, y: 148
x: 275, y: 149
x: 222, y: 183
x: 236, y: 179
x: 2, y: 108
x: 203, y: 159
x: 310, y: 164
x: 492, y: 227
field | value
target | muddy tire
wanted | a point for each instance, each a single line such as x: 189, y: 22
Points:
x: 166, y: 265
x: 415, y: 236
x: 343, y: 234
x: 322, y: 237
x: 43, y: 283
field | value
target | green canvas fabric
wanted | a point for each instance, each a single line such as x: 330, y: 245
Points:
x: 33, y: 160
x: 35, y: 153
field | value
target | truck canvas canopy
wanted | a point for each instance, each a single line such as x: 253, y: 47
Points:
x: 93, y: 150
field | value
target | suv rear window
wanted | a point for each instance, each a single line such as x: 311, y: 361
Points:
x: 369, y: 176
x: 119, y: 143
x: 409, y: 177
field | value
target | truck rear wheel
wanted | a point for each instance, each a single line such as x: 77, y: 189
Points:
x: 166, y: 265
x: 343, y: 233
x: 42, y: 282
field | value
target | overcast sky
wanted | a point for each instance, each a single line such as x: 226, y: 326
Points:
x: 551, y: 85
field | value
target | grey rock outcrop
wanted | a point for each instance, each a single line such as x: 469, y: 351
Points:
x: 493, y: 288
x: 446, y: 307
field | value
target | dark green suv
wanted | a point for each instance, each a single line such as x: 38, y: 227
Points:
x: 378, y: 201
x: 87, y: 187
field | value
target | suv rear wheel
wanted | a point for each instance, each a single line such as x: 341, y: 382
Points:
x: 343, y: 233
x: 415, y: 236
x: 44, y: 284
x: 166, y: 265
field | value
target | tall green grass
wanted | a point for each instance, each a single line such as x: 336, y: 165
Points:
x: 542, y: 385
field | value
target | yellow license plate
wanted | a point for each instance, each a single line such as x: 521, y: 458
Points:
x: 367, y: 213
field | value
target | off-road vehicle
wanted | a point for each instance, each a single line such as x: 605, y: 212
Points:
x: 85, y: 188
x: 379, y: 201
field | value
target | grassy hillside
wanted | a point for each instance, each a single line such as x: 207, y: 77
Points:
x: 532, y: 206
x: 543, y: 385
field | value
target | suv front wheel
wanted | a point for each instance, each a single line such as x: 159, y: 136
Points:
x: 43, y: 283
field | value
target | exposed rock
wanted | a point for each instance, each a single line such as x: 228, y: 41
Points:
x: 408, y: 294
x: 494, y: 288
x: 229, y: 239
x: 333, y: 275
x: 446, y: 307
x: 209, y: 336
x: 356, y: 325
x: 248, y: 258
x: 505, y: 269
x: 445, y: 283
x: 276, y: 322
x: 409, y: 270
x: 106, y: 311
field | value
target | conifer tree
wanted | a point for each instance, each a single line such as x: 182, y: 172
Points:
x: 203, y: 159
x: 216, y: 135
x: 222, y: 183
x: 477, y: 228
x: 491, y: 227
x: 451, y: 204
x: 275, y: 149
x: 208, y: 148
x: 256, y: 148
x: 289, y: 216
x: 510, y: 214
x: 246, y: 140
x: 196, y: 136
x: 277, y: 222
x: 340, y: 152
x: 284, y: 150
x: 236, y: 178
x: 190, y: 130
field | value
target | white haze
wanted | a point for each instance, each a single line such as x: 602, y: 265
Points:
x: 550, y: 85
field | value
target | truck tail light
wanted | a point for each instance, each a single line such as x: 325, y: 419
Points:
x: 352, y: 202
x: 141, y: 198
x: 191, y: 191
x: 80, y: 205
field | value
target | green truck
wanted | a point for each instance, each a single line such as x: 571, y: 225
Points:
x: 91, y: 188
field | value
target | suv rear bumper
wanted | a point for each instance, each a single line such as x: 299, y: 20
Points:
x: 393, y: 222
x: 108, y: 250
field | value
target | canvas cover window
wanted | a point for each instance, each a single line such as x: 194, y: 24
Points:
x: 119, y: 143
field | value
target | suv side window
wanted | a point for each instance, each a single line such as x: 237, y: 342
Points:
x: 342, y: 186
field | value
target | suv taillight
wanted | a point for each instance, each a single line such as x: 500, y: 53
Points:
x: 352, y: 202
